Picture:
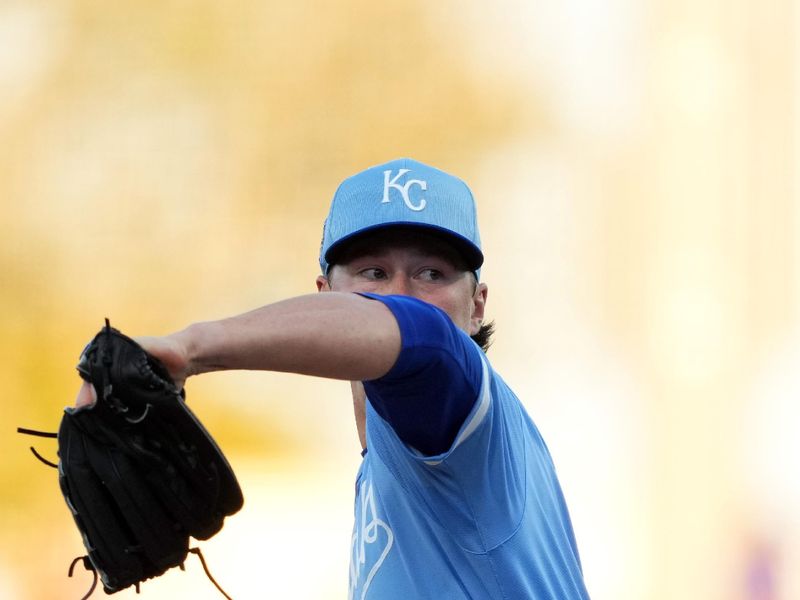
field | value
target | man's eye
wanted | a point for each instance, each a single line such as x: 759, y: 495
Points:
x: 373, y: 273
x: 431, y: 274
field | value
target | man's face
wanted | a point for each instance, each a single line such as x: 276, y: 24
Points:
x: 413, y: 263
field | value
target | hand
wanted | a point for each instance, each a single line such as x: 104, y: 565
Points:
x: 166, y: 349
x: 86, y: 395
x: 171, y: 354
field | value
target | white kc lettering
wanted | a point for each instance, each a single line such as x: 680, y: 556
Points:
x: 389, y: 183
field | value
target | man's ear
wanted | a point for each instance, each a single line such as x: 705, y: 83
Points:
x: 478, y: 308
x: 323, y: 285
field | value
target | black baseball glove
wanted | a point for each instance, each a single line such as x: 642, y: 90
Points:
x: 138, y: 470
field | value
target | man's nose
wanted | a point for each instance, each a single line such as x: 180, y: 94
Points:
x: 400, y: 285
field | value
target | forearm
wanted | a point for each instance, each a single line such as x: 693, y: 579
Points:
x: 341, y: 336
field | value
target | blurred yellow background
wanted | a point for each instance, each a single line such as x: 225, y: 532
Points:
x: 636, y: 168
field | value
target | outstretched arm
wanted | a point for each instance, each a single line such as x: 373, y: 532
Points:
x: 335, y: 335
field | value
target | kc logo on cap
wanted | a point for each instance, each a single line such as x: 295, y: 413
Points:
x: 389, y: 183
x: 402, y: 193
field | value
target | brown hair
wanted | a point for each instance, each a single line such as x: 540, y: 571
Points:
x: 484, y: 336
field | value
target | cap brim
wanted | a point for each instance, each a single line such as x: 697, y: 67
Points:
x: 471, y: 254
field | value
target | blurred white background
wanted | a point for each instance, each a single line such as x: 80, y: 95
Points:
x: 636, y: 169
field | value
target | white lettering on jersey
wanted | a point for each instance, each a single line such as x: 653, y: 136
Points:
x: 367, y: 532
x: 389, y: 183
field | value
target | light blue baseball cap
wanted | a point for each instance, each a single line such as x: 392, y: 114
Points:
x: 403, y: 192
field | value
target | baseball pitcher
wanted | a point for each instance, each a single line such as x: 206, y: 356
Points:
x: 456, y: 496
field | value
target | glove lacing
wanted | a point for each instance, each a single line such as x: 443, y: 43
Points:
x: 87, y: 564
x: 44, y: 434
x: 89, y: 567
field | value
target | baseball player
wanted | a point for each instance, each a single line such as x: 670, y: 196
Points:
x: 456, y: 496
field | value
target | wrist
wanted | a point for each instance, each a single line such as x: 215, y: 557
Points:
x: 184, y: 345
x: 198, y: 348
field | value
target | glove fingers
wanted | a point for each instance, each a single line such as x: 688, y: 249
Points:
x: 196, y: 487
x: 105, y: 536
x: 227, y: 493
x: 151, y: 529
x: 199, y: 460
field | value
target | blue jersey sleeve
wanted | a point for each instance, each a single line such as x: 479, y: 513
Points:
x: 434, y: 384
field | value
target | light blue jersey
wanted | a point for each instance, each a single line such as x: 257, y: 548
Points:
x: 486, y: 518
